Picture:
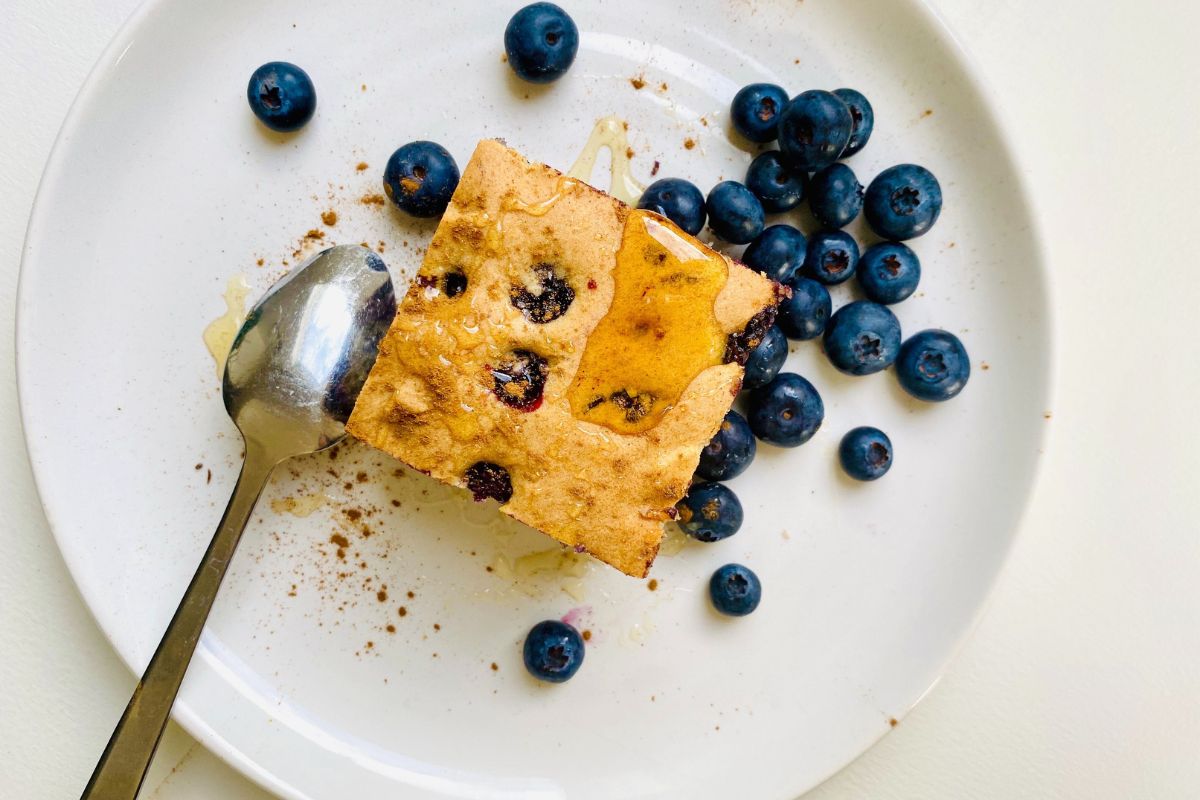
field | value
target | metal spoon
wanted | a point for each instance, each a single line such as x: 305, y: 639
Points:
x: 293, y: 374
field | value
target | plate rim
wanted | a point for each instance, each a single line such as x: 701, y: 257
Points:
x: 194, y: 723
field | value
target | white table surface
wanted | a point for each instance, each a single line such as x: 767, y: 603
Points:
x: 1083, y: 679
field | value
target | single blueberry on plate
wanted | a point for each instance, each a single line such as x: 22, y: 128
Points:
x: 735, y: 590
x: 933, y: 365
x: 835, y: 196
x: 865, y: 453
x: 832, y: 257
x: 282, y: 96
x: 677, y: 200
x: 734, y: 213
x: 814, y: 129
x: 863, y: 117
x: 778, y: 252
x: 710, y: 512
x: 903, y: 202
x: 787, y: 411
x: 541, y: 41
x: 553, y: 651
x: 420, y: 178
x: 766, y: 360
x: 889, y: 272
x: 730, y: 450
x: 755, y: 111
x: 862, y: 338
x: 776, y: 187
x: 804, y: 314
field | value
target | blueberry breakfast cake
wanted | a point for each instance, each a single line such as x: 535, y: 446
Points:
x: 565, y: 355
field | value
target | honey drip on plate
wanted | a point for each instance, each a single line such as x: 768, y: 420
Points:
x: 218, y: 336
x: 609, y: 132
x: 659, y: 333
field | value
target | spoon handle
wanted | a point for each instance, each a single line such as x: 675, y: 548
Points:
x: 122, y: 766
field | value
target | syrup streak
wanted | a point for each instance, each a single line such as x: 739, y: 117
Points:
x: 609, y: 132
x: 218, y: 336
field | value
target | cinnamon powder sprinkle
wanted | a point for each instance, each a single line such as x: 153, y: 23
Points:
x: 495, y: 667
x: 315, y: 234
x: 402, y: 611
x: 689, y: 143
x: 391, y: 628
x: 361, y: 166
x: 638, y: 82
x: 260, y: 262
x: 381, y: 596
x: 372, y: 199
x: 329, y: 218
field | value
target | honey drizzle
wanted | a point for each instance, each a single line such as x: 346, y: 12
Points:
x: 218, y: 336
x: 609, y: 132
x: 659, y: 333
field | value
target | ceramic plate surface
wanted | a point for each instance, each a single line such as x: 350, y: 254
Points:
x: 367, y: 640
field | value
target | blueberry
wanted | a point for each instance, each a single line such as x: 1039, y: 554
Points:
x: 889, y: 272
x: 734, y: 213
x: 814, y: 129
x: 551, y: 301
x: 787, y: 411
x: 835, y: 196
x: 832, y: 257
x: 282, y: 96
x: 804, y: 314
x: 553, y: 651
x: 541, y: 41
x: 903, y: 202
x: 766, y: 360
x: 933, y: 366
x: 778, y: 252
x: 520, y: 381
x: 755, y: 111
x: 487, y: 480
x: 420, y: 178
x: 862, y: 338
x: 735, y: 590
x: 677, y: 200
x: 776, y: 187
x: 865, y: 453
x: 730, y: 450
x: 710, y: 512
x: 863, y: 117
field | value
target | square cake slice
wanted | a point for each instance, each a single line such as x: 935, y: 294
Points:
x: 565, y: 355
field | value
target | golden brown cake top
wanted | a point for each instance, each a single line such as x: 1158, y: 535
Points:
x: 564, y: 354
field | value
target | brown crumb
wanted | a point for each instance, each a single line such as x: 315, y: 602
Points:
x: 495, y: 667
x: 624, y: 125
x: 402, y: 611
x: 704, y: 121
x: 370, y: 644
x: 1047, y: 415
x: 199, y: 467
x: 689, y: 143
x: 662, y: 87
x: 315, y: 235
x: 927, y: 113
x: 372, y: 199
x: 260, y: 262
x: 411, y: 595
x: 361, y: 166
x: 587, y: 635
x: 361, y: 477
x: 629, y: 152
x: 951, y: 245
x: 391, y: 628
x: 796, y: 61
x: 893, y: 721
x: 395, y: 503
x: 638, y: 83
x: 654, y: 169
x: 437, y: 627
x: 381, y: 595
x: 504, y: 58
x: 985, y: 366
x: 653, y: 584
x: 352, y: 514
x: 329, y: 218
x: 339, y: 540
x: 490, y: 568
x: 208, y: 478
x: 363, y: 87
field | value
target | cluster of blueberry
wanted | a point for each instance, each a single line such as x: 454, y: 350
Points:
x: 813, y: 130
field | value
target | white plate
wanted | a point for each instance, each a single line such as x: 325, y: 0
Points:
x: 162, y: 187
